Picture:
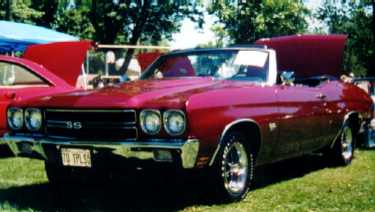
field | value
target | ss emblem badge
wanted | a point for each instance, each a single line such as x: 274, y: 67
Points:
x: 74, y: 125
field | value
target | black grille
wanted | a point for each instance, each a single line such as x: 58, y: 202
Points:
x: 91, y: 124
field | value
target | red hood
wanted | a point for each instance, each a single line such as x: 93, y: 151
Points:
x: 171, y: 93
x: 146, y: 59
x: 308, y: 55
x: 64, y: 59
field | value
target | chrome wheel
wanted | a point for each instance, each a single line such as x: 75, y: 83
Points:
x: 235, y: 167
x: 347, y: 143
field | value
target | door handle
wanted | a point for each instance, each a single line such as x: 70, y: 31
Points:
x: 321, y: 96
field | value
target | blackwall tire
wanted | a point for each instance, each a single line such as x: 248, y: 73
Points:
x: 234, y: 168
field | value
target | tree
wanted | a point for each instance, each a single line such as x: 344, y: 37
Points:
x: 19, y: 11
x: 74, y: 19
x: 48, y: 8
x: 109, y: 22
x: 356, y: 19
x: 247, y: 21
x: 131, y: 21
x: 8, y: 14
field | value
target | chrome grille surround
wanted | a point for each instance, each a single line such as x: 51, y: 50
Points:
x: 83, y: 124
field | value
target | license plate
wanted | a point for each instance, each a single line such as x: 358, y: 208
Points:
x: 76, y: 157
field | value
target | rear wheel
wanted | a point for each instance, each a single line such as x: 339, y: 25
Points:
x: 234, y: 168
x: 343, y: 149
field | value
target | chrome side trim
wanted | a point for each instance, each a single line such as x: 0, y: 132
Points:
x: 226, y: 129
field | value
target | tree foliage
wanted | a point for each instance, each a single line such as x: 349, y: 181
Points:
x: 354, y: 18
x: 109, y: 22
x: 74, y: 19
x: 20, y: 11
x: 246, y: 21
x: 131, y: 21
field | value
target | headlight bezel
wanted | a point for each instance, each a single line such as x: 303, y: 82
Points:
x: 28, y: 112
x: 142, y: 118
x: 10, y: 115
x: 167, y: 114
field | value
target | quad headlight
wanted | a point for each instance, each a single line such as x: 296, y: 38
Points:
x: 174, y: 122
x: 150, y: 121
x: 33, y: 119
x: 15, y: 118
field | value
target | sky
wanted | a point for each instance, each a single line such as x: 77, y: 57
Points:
x: 189, y: 36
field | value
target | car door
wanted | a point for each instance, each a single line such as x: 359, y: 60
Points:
x: 300, y: 111
x: 16, y: 83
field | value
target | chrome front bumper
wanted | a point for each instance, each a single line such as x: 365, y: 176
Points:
x: 158, y: 150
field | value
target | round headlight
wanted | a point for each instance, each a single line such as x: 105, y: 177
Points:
x: 174, y: 122
x: 15, y: 118
x: 33, y: 119
x: 150, y: 121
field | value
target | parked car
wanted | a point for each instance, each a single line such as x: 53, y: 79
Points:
x: 44, y: 70
x: 222, y: 110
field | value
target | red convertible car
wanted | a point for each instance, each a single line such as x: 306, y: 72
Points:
x: 44, y: 70
x: 224, y: 110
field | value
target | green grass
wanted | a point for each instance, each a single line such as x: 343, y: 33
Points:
x: 303, y: 184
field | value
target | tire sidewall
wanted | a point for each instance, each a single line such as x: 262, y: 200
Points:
x: 338, y: 147
x: 228, y: 141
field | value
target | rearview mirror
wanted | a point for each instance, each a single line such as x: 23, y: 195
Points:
x: 287, y: 77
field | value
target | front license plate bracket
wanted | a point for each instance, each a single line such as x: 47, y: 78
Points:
x: 76, y: 157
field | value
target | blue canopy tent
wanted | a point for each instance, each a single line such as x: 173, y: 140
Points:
x: 17, y: 36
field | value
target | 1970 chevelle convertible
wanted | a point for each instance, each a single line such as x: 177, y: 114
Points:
x: 225, y: 110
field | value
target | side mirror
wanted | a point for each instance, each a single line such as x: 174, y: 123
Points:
x: 287, y: 77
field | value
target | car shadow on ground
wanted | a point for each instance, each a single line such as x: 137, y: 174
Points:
x: 140, y: 193
x: 5, y: 151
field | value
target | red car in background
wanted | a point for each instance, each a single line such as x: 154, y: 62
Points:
x: 44, y: 70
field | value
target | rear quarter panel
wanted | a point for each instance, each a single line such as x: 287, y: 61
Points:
x: 355, y: 98
x: 343, y: 99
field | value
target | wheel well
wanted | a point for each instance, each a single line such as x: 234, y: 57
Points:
x: 354, y: 121
x: 252, y: 132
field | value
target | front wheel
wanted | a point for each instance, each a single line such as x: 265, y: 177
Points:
x: 234, y: 168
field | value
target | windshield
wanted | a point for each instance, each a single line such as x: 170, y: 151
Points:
x: 251, y: 65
